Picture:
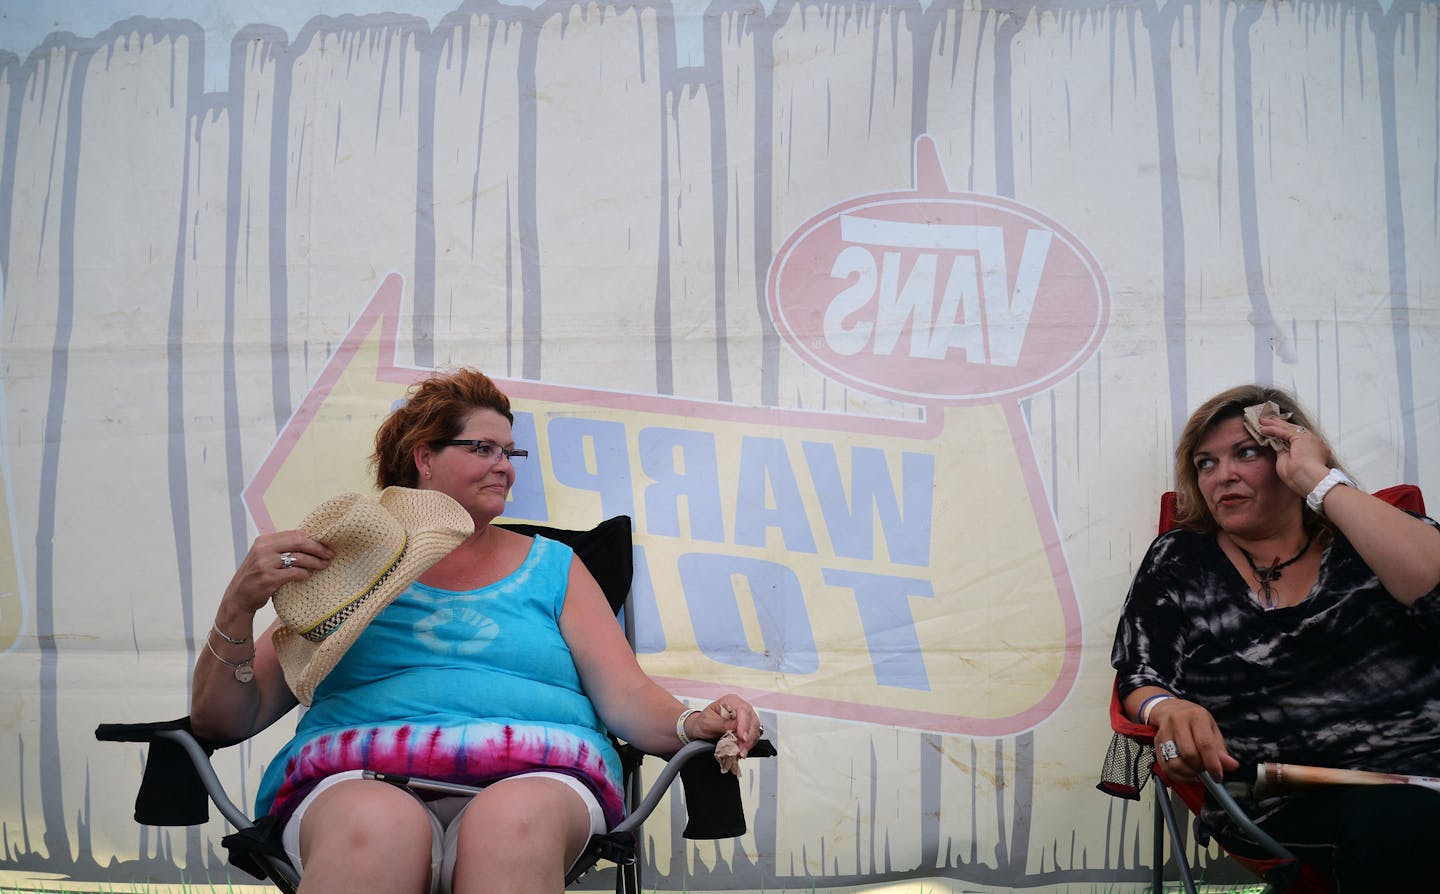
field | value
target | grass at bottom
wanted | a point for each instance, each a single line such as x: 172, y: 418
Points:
x: 34, y: 885
x: 951, y: 886
x: 66, y: 886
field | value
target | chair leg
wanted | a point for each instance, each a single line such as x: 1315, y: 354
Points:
x: 1157, y: 875
x: 1167, y: 811
x: 627, y: 877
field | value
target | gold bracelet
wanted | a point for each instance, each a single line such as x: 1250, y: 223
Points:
x: 244, y: 671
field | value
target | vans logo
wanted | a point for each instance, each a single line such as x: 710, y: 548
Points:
x: 936, y: 297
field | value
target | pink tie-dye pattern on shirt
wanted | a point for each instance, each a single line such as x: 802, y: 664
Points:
x: 473, y: 755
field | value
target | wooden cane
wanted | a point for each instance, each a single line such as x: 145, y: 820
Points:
x: 1279, y: 778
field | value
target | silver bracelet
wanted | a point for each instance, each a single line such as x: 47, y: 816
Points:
x: 244, y: 671
x: 680, y: 725
x: 228, y: 638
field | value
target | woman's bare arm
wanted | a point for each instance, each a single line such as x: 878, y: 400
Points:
x: 633, y: 706
x: 223, y: 705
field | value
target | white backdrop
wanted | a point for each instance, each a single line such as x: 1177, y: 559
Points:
x: 879, y: 319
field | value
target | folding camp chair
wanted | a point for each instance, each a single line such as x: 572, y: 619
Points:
x: 179, y: 781
x: 1131, y: 761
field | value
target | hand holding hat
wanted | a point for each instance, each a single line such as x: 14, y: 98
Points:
x: 380, y: 545
x: 264, y: 570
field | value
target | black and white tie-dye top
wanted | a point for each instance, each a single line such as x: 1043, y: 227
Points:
x: 1348, y: 678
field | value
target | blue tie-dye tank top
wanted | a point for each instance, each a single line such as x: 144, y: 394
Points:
x: 465, y: 687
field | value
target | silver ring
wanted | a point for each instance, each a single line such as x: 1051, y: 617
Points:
x: 1168, y: 751
x: 1300, y: 429
x: 287, y: 560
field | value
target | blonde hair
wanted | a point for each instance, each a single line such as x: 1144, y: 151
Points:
x: 1190, y: 508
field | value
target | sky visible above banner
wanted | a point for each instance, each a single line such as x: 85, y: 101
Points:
x: 24, y: 24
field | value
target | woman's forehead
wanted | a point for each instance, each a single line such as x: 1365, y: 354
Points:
x: 483, y: 422
x: 1223, y: 435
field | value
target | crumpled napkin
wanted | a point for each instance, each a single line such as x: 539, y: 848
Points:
x: 727, y: 753
x: 727, y: 750
x: 1252, y: 418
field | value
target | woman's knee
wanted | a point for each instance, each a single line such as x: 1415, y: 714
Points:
x: 361, y: 825
x: 539, y: 823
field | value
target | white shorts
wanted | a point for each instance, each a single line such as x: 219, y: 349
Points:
x: 445, y: 813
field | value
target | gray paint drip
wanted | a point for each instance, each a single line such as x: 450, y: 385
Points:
x: 1386, y: 39
x: 1161, y: 25
x: 52, y: 803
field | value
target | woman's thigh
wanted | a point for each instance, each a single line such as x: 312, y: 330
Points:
x: 519, y: 834
x: 369, y: 833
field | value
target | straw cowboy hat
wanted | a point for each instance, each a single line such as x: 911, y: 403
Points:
x: 381, y: 545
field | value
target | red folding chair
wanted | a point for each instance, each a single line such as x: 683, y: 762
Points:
x: 1131, y: 761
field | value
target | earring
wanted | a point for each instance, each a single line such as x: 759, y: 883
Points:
x: 427, y: 473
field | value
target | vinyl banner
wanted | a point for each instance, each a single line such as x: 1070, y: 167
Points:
x: 879, y: 321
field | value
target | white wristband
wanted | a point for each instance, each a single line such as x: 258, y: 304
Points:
x: 1147, y: 707
x: 1316, y: 498
x: 680, y: 725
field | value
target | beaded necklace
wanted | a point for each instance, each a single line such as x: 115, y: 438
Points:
x: 1267, y: 574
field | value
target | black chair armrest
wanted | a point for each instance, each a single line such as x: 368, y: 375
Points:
x: 712, y: 797
x: 172, y: 790
x: 179, y: 784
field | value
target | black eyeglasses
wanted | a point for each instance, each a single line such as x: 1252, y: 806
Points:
x: 486, y: 450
